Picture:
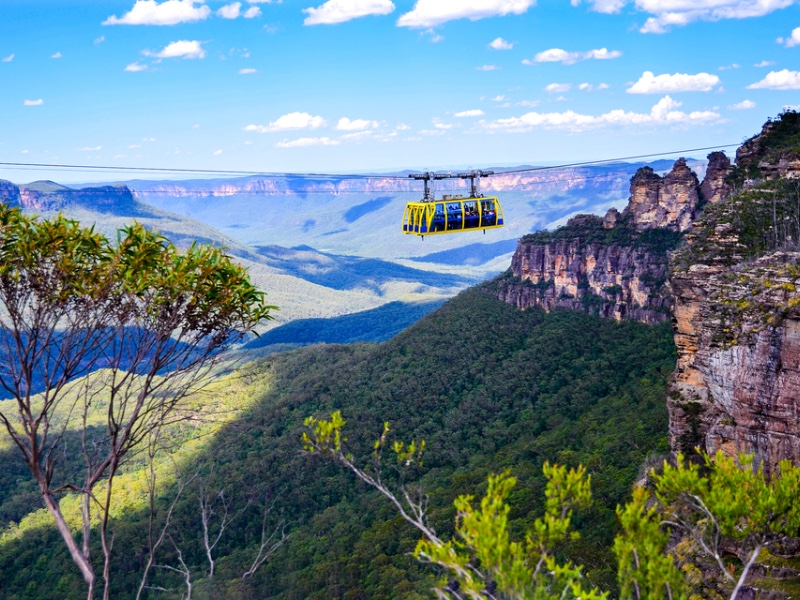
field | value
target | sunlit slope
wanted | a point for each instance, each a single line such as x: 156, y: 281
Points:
x: 487, y: 386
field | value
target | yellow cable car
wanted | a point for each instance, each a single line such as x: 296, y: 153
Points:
x: 452, y: 213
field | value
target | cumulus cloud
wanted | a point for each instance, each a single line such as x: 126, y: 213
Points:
x: 470, y: 113
x: 569, y: 58
x: 247, y: 71
x: 38, y: 102
x: 56, y: 55
x: 664, y: 112
x: 743, y: 105
x: 499, y: 98
x: 346, y: 124
x: 764, y: 63
x: 294, y: 120
x: 488, y: 68
x: 135, y: 67
x: 430, y: 13
x: 730, y: 67
x: 252, y: 12
x: 677, y: 13
x: 230, y: 11
x: 171, y: 12
x: 181, y: 49
x: 608, y: 7
x: 793, y: 39
x: 778, y: 80
x: 679, y: 82
x: 307, y: 141
x: 8, y: 58
x: 501, y: 44
x: 557, y: 88
x: 339, y: 11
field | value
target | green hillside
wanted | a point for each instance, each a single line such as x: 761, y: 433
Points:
x: 489, y: 388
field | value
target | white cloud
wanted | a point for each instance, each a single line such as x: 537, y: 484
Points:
x: 171, y: 12
x: 346, y: 124
x: 252, y: 12
x: 730, y: 67
x: 603, y: 86
x: 586, y: 87
x: 99, y: 40
x: 295, y: 120
x: 307, y: 141
x: 677, y: 13
x: 247, y: 71
x: 8, y: 58
x: 230, y: 11
x: 402, y: 127
x: 88, y: 149
x: 488, y: 68
x: 557, y: 88
x: 501, y: 44
x: 430, y: 13
x: 569, y: 58
x: 778, y: 80
x: 56, y: 55
x: 38, y: 102
x: 180, y: 49
x: 339, y: 11
x: 217, y: 152
x: 443, y: 125
x: 499, y: 98
x: 679, y: 82
x: 134, y: 146
x: 764, y: 63
x: 664, y: 112
x: 743, y: 105
x: 135, y: 67
x: 358, y: 135
x: 470, y: 113
x: 608, y: 7
x: 24, y: 151
x: 793, y: 39
x: 528, y: 103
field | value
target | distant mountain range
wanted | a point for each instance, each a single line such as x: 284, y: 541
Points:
x: 324, y: 247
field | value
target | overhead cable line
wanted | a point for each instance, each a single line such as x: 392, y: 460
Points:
x: 106, y: 168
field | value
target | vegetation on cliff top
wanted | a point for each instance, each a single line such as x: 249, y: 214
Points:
x: 588, y: 229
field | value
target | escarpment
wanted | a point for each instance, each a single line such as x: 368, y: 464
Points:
x: 616, y: 266
x: 736, y: 282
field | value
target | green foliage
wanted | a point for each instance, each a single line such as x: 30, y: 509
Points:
x: 588, y: 229
x: 488, y: 387
x: 728, y: 503
x: 482, y: 560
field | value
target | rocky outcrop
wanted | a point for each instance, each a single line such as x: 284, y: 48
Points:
x: 9, y: 193
x: 616, y: 266
x: 616, y: 280
x: 667, y: 202
x: 775, y: 152
x: 715, y: 186
x: 736, y: 387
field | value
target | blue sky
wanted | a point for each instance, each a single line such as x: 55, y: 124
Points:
x: 365, y: 85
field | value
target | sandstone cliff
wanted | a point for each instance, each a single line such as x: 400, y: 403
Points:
x: 736, y: 387
x: 616, y: 266
x: 775, y: 152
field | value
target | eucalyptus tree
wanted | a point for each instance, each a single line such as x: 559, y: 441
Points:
x: 100, y: 341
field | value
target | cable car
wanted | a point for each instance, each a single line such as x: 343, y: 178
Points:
x: 452, y: 213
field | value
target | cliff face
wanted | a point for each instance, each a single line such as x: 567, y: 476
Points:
x: 775, y: 152
x: 736, y: 286
x: 615, y: 280
x: 46, y: 196
x: 616, y: 266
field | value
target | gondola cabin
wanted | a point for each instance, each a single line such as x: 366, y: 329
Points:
x: 452, y: 213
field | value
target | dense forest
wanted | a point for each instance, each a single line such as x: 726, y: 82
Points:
x: 487, y: 386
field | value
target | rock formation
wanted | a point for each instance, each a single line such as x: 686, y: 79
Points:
x: 775, y: 152
x: 616, y: 266
x: 615, y: 280
x: 715, y: 187
x: 667, y: 202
